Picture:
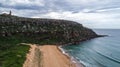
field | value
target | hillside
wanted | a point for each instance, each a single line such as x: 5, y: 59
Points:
x: 44, y: 31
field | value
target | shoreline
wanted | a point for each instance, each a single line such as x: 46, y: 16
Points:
x: 72, y: 59
x: 48, y: 56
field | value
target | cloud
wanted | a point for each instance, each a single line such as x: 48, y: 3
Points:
x: 82, y: 2
x: 22, y: 4
x: 92, y: 20
x: 59, y: 5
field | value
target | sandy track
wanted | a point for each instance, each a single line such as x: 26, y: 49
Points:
x: 33, y: 57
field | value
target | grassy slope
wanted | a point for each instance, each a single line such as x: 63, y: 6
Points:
x: 12, y: 54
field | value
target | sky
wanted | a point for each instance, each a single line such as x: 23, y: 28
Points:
x: 93, y: 14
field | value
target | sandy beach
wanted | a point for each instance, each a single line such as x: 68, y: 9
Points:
x: 51, y: 57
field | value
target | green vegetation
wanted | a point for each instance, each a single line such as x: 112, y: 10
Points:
x: 11, y: 53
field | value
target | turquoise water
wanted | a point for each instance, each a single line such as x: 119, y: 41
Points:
x: 98, y: 52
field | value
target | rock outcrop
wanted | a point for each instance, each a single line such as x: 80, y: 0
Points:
x: 55, y: 30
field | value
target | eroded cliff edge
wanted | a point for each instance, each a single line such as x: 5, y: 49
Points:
x: 45, y: 31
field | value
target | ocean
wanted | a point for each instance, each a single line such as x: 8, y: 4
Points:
x: 98, y: 52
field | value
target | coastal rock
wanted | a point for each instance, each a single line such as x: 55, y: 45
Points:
x: 53, y: 31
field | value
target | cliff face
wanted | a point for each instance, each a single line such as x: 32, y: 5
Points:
x: 59, y: 31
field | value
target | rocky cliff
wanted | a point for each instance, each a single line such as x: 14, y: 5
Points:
x: 49, y: 30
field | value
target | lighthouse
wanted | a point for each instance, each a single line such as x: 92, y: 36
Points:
x: 10, y: 13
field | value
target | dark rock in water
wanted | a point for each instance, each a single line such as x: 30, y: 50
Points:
x: 50, y: 30
x: 102, y: 35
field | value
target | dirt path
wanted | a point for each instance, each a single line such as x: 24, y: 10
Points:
x: 33, y: 57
